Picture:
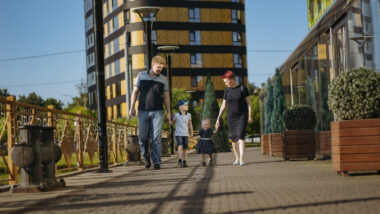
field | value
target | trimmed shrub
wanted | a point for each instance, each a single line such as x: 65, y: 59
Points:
x: 355, y: 94
x: 300, y: 117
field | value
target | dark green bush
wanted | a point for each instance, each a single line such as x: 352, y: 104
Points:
x: 355, y: 94
x: 299, y: 117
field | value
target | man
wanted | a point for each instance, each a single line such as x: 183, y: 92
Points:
x: 154, y: 91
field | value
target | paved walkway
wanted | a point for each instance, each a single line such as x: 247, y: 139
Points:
x: 264, y: 185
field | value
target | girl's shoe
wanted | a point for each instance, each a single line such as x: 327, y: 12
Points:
x: 184, y: 164
x: 203, y: 163
x: 242, y: 163
x: 210, y: 163
x: 236, y: 163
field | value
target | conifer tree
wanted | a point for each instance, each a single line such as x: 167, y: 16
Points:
x: 268, y: 107
x: 210, y: 109
x: 279, y: 105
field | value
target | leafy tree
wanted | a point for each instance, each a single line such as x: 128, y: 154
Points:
x: 268, y: 108
x: 82, y: 99
x: 56, y: 103
x: 4, y: 93
x: 210, y: 109
x: 254, y: 127
x: 32, y: 99
x: 279, y: 105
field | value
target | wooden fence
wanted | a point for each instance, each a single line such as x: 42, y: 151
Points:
x: 75, y: 133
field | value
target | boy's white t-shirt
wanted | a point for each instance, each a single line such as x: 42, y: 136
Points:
x: 182, y: 124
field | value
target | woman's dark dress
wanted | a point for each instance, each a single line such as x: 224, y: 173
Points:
x: 237, y: 113
x: 205, y: 146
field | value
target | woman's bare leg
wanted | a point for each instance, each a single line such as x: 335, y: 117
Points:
x: 235, y: 148
x: 241, y: 150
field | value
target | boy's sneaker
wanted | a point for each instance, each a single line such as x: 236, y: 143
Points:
x: 203, y: 163
x: 157, y: 166
x: 184, y: 164
x: 180, y: 163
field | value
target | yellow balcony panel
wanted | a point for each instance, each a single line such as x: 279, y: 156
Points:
x: 137, y: 38
x: 138, y: 61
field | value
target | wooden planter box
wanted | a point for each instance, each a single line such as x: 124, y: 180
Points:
x: 265, y: 144
x: 355, y: 145
x: 275, y: 144
x: 299, y: 144
x: 324, y: 144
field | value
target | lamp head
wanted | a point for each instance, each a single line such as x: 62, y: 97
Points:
x: 146, y: 12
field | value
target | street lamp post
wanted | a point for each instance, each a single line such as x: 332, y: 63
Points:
x: 100, y: 89
x: 168, y: 50
x: 147, y: 15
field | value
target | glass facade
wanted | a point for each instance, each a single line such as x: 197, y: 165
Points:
x: 333, y: 46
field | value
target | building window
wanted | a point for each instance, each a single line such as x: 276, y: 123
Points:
x: 111, y: 91
x: 109, y: 50
x: 110, y: 70
x: 89, y: 41
x: 194, y: 15
x: 90, y: 59
x: 108, y: 27
x: 89, y: 23
x: 87, y: 5
x: 115, y: 23
x: 235, y: 0
x: 114, y: 5
x: 200, y: 81
x: 194, y: 82
x: 237, y: 79
x: 236, y: 38
x: 118, y: 89
x: 154, y: 37
x: 236, y: 16
x: 118, y: 110
x: 238, y: 61
x: 195, y: 37
x: 116, y: 45
x: 196, y: 60
x: 117, y: 67
x: 91, y: 79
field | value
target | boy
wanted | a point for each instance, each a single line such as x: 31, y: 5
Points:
x: 183, y: 123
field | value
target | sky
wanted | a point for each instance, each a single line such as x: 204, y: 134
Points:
x: 44, y: 27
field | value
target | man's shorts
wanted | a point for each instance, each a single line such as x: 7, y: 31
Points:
x: 182, y: 141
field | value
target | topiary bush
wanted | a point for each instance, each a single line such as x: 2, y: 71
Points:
x: 300, y: 117
x: 355, y: 94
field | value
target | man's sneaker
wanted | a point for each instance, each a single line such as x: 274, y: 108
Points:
x: 157, y: 166
x: 180, y: 163
x: 203, y: 163
x: 184, y: 164
x: 147, y: 164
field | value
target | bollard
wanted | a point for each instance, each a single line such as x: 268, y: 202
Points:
x: 165, y: 147
x: 36, y: 155
x: 133, y: 149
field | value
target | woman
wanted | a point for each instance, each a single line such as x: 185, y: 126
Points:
x: 236, y: 97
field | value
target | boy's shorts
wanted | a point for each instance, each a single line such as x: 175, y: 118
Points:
x: 182, y: 141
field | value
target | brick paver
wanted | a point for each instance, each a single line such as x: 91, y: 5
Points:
x: 265, y: 185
